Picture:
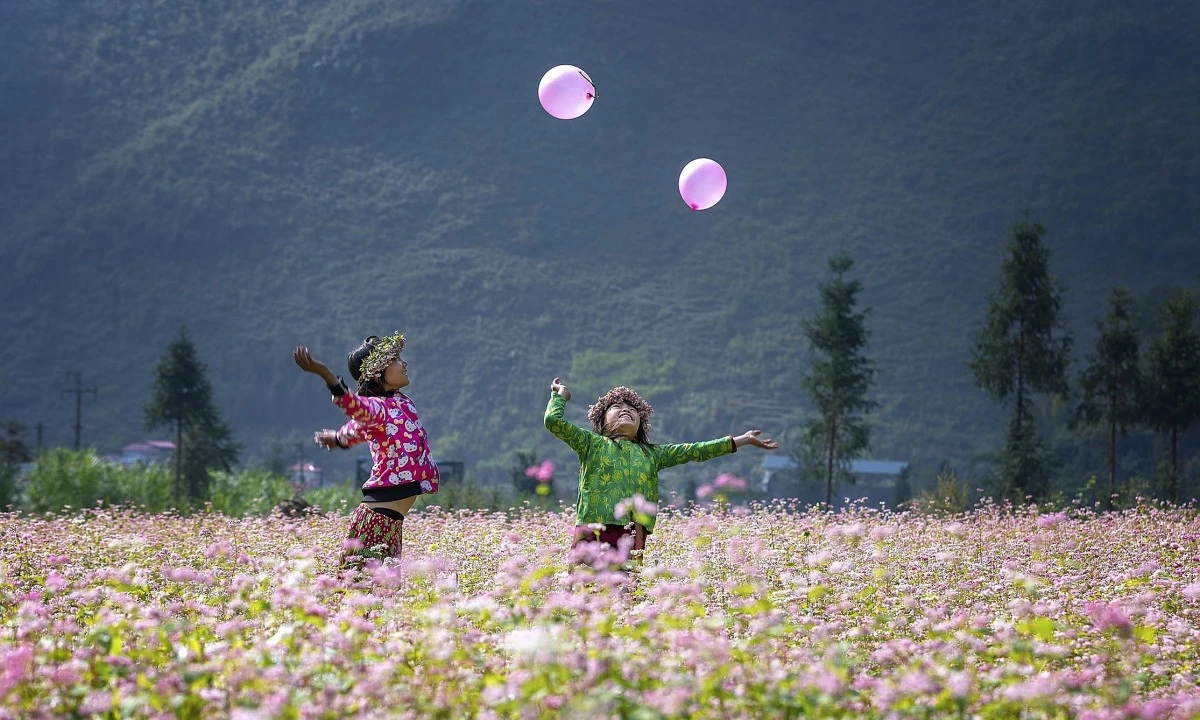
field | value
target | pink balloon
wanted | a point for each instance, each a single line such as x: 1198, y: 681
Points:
x: 566, y: 92
x: 702, y: 183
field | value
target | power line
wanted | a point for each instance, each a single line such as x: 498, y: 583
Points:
x: 79, y: 391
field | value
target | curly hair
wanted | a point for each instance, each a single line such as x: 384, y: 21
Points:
x: 622, y: 394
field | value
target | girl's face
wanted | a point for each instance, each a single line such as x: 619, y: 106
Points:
x: 622, y: 420
x: 395, y: 376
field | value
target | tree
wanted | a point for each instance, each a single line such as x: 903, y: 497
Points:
x: 839, y: 377
x: 1022, y: 349
x: 182, y: 398
x: 277, y: 458
x: 13, y: 452
x: 1173, y: 378
x: 1111, y: 384
x: 209, y: 446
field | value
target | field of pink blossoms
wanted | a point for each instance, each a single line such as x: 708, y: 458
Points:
x: 762, y: 613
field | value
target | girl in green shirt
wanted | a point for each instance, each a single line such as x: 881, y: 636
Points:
x: 618, y: 463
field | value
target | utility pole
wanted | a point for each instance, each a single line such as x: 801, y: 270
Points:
x: 79, y: 391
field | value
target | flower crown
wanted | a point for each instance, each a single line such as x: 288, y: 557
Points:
x: 385, y: 351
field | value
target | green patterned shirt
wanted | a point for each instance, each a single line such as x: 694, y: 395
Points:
x: 614, y: 470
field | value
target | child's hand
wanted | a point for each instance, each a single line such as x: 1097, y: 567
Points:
x: 327, y: 439
x: 561, y: 389
x: 305, y: 361
x: 750, y: 437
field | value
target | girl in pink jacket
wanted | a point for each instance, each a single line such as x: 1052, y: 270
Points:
x: 383, y: 417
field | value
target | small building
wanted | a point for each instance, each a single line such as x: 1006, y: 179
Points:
x: 306, y: 475
x: 875, y: 480
x: 146, y: 453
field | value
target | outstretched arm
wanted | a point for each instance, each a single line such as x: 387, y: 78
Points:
x: 680, y: 453
x: 366, y: 411
x: 345, y: 437
x: 751, y: 437
x: 575, y: 437
x: 673, y: 454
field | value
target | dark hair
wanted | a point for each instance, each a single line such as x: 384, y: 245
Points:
x: 354, y: 361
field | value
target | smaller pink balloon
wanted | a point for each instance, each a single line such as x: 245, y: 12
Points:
x: 702, y: 183
x: 566, y: 92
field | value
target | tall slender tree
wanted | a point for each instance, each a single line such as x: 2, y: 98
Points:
x: 1173, y: 379
x: 1111, y: 384
x: 839, y: 377
x: 1023, y: 349
x: 182, y: 399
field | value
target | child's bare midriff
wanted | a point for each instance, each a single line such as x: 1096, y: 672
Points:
x: 400, y: 506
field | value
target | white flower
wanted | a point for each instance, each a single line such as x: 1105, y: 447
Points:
x: 536, y: 643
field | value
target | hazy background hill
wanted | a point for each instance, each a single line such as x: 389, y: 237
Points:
x: 280, y: 172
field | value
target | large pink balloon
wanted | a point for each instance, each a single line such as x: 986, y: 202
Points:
x: 702, y: 183
x: 566, y: 92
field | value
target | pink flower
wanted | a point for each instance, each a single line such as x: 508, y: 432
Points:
x: 1156, y: 710
x: 959, y: 685
x: 1046, y: 521
x: 725, y: 481
x: 883, y: 531
x: 704, y: 491
x: 55, y: 581
x: 543, y: 472
x: 17, y: 664
x: 1106, y: 616
x: 644, y: 506
x: 1192, y: 592
x: 622, y: 508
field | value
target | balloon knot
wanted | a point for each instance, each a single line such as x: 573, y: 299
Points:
x: 694, y: 206
x: 591, y: 96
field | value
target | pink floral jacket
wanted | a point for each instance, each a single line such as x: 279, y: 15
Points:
x: 402, y: 465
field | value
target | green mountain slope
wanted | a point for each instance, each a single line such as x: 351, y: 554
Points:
x: 313, y: 172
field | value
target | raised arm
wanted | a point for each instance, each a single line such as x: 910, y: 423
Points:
x: 576, y: 438
x: 366, y: 411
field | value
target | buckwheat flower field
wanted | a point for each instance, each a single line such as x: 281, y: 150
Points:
x: 767, y: 612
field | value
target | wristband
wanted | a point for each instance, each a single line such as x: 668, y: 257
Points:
x: 339, y: 389
x: 337, y: 438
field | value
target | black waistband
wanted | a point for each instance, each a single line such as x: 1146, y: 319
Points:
x: 392, y: 492
x: 387, y: 512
